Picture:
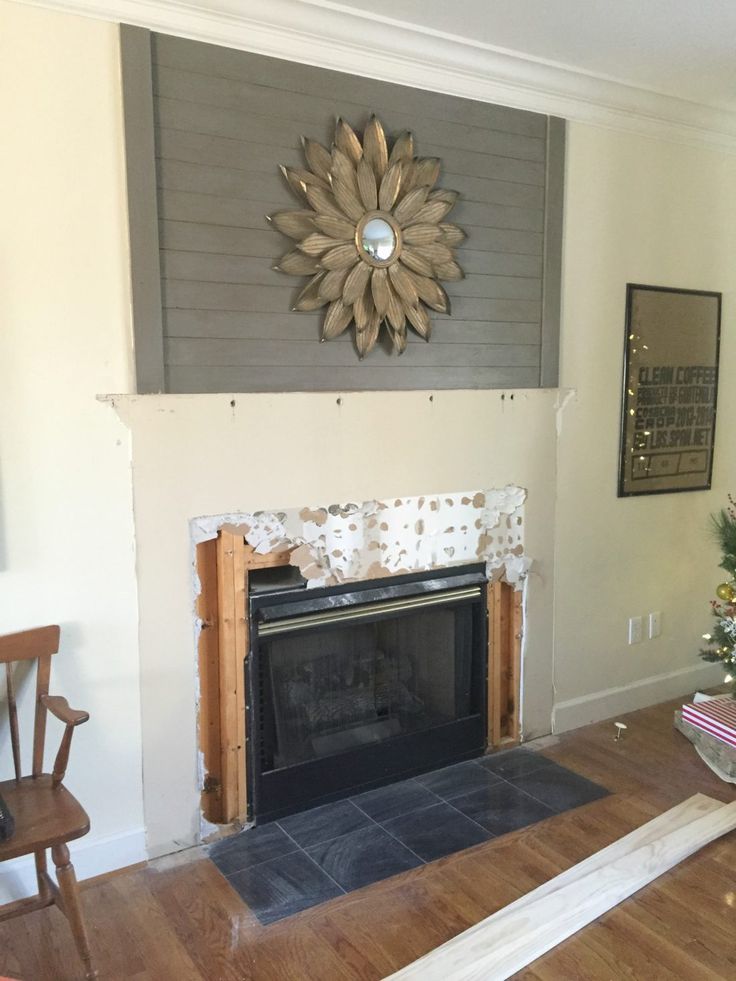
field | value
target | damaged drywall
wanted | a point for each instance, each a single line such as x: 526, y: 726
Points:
x: 349, y: 542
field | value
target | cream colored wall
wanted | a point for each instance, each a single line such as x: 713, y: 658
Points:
x: 66, y: 529
x: 636, y: 210
x: 640, y: 211
x: 199, y: 455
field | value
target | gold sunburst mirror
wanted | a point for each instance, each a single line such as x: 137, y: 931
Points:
x: 372, y: 236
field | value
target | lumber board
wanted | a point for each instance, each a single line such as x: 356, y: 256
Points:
x: 209, y: 680
x: 241, y: 641
x: 228, y: 683
x: 509, y: 940
x: 513, y: 728
x: 505, y: 613
x: 495, y: 644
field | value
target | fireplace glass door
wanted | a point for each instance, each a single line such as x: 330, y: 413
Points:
x: 379, y: 686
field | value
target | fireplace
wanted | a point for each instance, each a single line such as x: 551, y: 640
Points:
x: 356, y: 685
x: 421, y: 680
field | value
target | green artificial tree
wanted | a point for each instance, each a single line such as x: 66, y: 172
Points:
x: 722, y: 638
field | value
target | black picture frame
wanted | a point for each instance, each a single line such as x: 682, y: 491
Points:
x: 670, y: 390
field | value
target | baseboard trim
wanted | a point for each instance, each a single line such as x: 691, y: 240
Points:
x: 90, y: 858
x: 600, y: 705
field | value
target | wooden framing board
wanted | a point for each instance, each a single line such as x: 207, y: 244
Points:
x: 223, y: 567
x: 228, y: 636
x: 509, y: 940
x: 209, y: 680
x: 505, y: 624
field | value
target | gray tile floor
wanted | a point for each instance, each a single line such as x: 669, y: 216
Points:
x: 305, y: 859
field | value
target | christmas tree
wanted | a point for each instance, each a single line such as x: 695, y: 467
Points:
x: 722, y: 638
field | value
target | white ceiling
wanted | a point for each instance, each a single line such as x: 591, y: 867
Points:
x: 683, y: 48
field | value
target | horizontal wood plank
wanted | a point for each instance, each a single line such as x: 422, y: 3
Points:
x: 303, y: 326
x: 284, y: 130
x: 251, y: 271
x: 228, y: 63
x: 272, y: 299
x: 472, y: 208
x: 510, y: 181
x: 260, y: 100
x: 190, y: 352
x: 362, y: 377
x: 191, y: 236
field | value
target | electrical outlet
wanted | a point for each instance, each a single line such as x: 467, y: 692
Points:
x: 655, y: 625
x: 635, y: 630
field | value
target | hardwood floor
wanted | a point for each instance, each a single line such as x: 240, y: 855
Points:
x: 178, y: 920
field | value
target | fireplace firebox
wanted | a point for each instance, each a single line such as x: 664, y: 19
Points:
x: 358, y: 685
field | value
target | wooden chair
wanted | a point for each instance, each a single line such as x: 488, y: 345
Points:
x: 46, y: 814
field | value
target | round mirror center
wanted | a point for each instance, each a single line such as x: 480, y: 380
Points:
x: 378, y: 239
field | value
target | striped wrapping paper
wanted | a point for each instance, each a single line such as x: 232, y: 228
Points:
x: 717, y: 717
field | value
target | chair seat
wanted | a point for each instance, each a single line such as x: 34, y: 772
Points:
x: 43, y: 814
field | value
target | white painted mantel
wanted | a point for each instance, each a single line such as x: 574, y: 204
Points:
x: 238, y: 455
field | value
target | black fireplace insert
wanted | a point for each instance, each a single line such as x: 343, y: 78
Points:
x: 358, y: 685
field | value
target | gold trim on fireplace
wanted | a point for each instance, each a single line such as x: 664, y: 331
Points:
x: 356, y: 613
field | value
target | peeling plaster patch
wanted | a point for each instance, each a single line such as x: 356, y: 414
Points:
x: 349, y: 542
x: 318, y: 517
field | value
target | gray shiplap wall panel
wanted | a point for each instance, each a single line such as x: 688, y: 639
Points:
x: 227, y: 240
x: 220, y: 324
x: 274, y: 131
x: 211, y: 268
x: 211, y: 60
x: 190, y: 352
x: 262, y: 101
x: 401, y: 375
x: 488, y: 201
x: 273, y: 299
x: 224, y: 121
x: 505, y: 187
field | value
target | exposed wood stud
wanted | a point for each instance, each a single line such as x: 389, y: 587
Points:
x: 223, y: 566
x: 505, y: 612
x: 228, y: 682
x: 209, y: 680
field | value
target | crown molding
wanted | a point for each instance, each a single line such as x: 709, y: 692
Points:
x: 321, y: 33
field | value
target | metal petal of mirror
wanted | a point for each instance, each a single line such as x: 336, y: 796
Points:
x: 371, y: 233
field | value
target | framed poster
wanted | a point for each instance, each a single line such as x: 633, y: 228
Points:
x: 670, y: 383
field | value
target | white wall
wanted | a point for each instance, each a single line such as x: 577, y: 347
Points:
x: 641, y: 211
x: 66, y: 529
x: 637, y: 210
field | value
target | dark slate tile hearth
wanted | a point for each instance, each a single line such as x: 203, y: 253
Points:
x: 559, y: 788
x: 514, y: 763
x: 436, y: 831
x: 322, y: 823
x: 502, y: 808
x: 362, y: 857
x: 394, y: 800
x: 251, y: 848
x: 305, y: 859
x: 283, y: 886
x: 451, y: 781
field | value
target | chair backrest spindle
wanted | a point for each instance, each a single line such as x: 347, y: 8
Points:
x: 43, y: 675
x: 13, y: 719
